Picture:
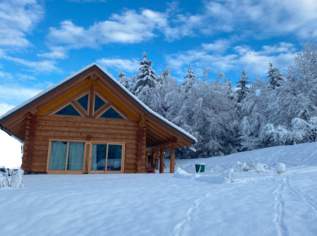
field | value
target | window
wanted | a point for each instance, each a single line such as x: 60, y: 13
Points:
x: 106, y: 157
x: 114, y: 157
x: 111, y: 114
x: 66, y: 155
x: 98, y: 161
x: 83, y: 101
x: 98, y: 102
x: 58, y: 155
x: 69, y: 110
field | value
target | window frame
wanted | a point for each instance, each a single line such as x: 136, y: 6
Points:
x: 65, y: 171
x: 61, y: 108
x: 106, y: 161
x: 116, y: 110
x: 93, y: 102
x: 80, y: 96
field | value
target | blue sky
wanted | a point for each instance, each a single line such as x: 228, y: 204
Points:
x: 42, y: 42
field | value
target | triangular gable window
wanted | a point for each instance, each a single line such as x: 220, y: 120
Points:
x: 83, y: 101
x: 98, y: 102
x: 69, y: 110
x: 111, y: 114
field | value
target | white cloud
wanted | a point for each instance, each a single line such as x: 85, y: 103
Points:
x: 128, y: 27
x: 257, y: 61
x: 252, y: 18
x: 17, y: 18
x: 5, y: 107
x: 119, y: 64
x: 239, y: 18
x: 54, y: 53
x: 12, y: 94
x: 38, y: 66
x: 248, y: 17
x: 218, y: 46
x: 240, y: 57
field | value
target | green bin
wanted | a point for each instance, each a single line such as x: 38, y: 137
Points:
x: 200, y: 168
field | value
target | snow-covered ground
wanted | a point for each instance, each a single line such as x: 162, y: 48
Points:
x: 255, y: 202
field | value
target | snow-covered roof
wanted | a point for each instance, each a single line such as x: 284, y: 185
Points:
x: 145, y: 107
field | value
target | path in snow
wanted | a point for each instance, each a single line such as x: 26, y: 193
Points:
x: 180, y: 226
x: 279, y: 208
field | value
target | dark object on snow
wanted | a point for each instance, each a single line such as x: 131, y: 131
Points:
x: 7, y: 171
x: 200, y: 168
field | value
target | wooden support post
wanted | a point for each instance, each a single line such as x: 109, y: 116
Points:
x: 88, y: 151
x: 172, y: 160
x: 161, y: 160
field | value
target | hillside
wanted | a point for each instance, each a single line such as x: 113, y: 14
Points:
x: 254, y: 202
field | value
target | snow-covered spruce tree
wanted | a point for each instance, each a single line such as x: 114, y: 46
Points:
x: 189, y: 80
x: 242, y: 89
x: 146, y: 77
x: 123, y: 80
x: 274, y: 76
x: 166, y: 98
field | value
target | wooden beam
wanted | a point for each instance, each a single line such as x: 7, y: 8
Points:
x: 91, y: 98
x: 79, y: 108
x: 87, y: 157
x: 162, y: 160
x: 102, y: 109
x: 172, y: 160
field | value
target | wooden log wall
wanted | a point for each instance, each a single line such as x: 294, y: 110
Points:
x: 81, y: 129
x: 141, y: 147
x: 29, y: 129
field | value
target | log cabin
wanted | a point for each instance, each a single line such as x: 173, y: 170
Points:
x: 90, y: 123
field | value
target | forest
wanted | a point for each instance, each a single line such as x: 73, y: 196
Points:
x: 228, y: 118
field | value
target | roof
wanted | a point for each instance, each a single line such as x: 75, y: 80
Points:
x: 125, y: 90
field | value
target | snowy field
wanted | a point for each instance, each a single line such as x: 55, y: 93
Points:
x: 224, y: 201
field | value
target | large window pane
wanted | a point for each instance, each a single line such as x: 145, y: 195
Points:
x: 114, y: 157
x: 83, y: 101
x: 111, y: 114
x: 75, y: 156
x: 98, y: 103
x: 69, y: 110
x: 58, y: 155
x: 98, y: 161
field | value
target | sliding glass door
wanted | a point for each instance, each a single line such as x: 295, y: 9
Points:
x: 106, y: 157
x: 66, y: 156
x: 70, y: 156
x: 99, y: 152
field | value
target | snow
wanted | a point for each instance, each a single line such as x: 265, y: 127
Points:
x: 10, y: 149
x: 255, y: 202
x: 11, y: 178
x: 280, y: 168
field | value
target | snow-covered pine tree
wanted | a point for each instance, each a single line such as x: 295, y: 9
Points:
x: 146, y: 78
x: 123, y: 80
x: 243, y: 89
x: 190, y: 79
x: 274, y: 77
